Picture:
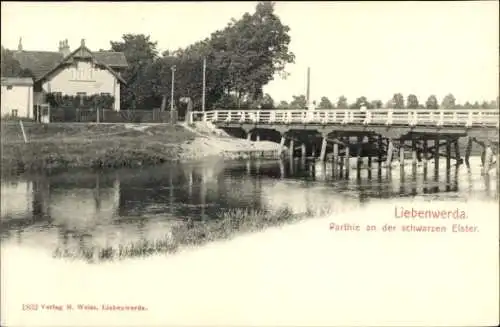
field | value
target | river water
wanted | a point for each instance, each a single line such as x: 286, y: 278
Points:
x: 57, y: 233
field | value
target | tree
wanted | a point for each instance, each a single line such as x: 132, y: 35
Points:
x: 11, y: 66
x: 361, y: 101
x: 448, y: 102
x: 342, y: 102
x: 283, y: 105
x: 467, y: 105
x: 141, y: 53
x: 485, y: 105
x: 376, y: 104
x: 247, y: 54
x: 298, y: 102
x: 476, y: 105
x: 412, y: 102
x: 325, y: 103
x: 398, y: 101
x: 432, y: 102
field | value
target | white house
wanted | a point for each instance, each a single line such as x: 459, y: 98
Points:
x: 79, y: 72
x: 17, y: 97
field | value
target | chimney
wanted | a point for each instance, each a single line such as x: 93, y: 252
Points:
x: 64, y: 48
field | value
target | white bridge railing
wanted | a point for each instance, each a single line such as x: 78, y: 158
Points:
x: 392, y: 117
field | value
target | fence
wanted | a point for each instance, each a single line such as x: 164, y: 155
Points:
x: 112, y: 116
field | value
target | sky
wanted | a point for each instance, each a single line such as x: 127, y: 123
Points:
x: 372, y: 49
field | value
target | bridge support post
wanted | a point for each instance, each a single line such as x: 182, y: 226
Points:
x: 303, y: 150
x: 313, y: 150
x: 414, y: 157
x: 292, y: 149
x: 402, y: 154
x: 347, y: 157
x: 436, y: 158
x: 341, y: 164
x: 380, y: 151
x: 390, y: 151
x: 358, y: 157
x: 282, y: 143
x: 258, y: 137
x: 424, y: 157
x: 323, y: 148
x: 448, y: 155
x: 488, y: 158
x: 335, y: 158
x: 249, y: 136
x: 468, y: 151
x: 457, y: 153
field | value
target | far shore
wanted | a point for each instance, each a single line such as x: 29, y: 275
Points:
x: 62, y: 146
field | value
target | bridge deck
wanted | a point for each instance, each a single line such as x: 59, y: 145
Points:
x: 468, y: 118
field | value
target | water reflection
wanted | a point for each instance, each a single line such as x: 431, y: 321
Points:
x: 97, y: 211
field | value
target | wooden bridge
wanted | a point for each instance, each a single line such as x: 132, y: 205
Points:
x: 375, y: 132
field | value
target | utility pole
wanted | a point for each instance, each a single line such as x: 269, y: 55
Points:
x: 172, y: 91
x: 308, y: 86
x: 204, y: 86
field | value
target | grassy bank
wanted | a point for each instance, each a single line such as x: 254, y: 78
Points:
x: 189, y: 234
x: 72, y: 145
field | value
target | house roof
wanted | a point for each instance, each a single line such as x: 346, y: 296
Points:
x: 25, y: 81
x: 42, y: 62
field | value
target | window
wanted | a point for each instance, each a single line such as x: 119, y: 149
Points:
x: 14, y: 112
x: 9, y: 87
x: 83, y: 73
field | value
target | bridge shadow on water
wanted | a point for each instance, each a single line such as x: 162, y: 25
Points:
x: 99, y: 216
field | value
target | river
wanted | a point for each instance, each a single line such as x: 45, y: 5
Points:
x: 57, y: 233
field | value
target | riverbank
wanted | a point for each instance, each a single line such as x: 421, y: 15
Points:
x: 59, y: 146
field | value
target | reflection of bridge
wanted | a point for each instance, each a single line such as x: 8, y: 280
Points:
x: 365, y: 134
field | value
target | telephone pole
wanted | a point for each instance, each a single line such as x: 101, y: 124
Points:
x: 172, y: 91
x: 308, y: 85
x: 204, y: 86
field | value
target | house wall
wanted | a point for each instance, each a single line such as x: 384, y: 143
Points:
x: 18, y: 97
x: 84, y: 77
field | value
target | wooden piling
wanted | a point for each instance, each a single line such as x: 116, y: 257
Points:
x: 488, y: 158
x: 468, y: 151
x: 347, y: 157
x: 313, y: 150
x: 457, y: 153
x: 258, y: 138
x: 282, y: 143
x: 414, y: 152
x: 249, y: 136
x: 402, y: 154
x: 414, y: 157
x: 282, y: 169
x: 292, y: 149
x: 448, y: 155
x: 358, y: 155
x: 436, y: 158
x: 335, y: 159
x: 323, y: 149
x: 424, y: 157
x: 303, y: 150
x: 390, y: 150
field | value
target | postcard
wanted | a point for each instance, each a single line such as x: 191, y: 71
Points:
x: 250, y: 163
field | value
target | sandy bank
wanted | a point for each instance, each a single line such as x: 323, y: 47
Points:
x: 77, y: 145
